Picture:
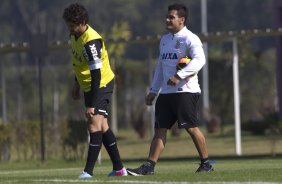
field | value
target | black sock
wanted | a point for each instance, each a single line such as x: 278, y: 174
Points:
x: 151, y: 163
x: 93, y: 151
x: 205, y: 161
x: 110, y: 143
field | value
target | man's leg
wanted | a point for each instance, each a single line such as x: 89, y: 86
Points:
x: 157, y: 144
x: 165, y: 118
x: 110, y: 143
x: 95, y: 131
x: 199, y: 141
x: 156, y: 148
x: 200, y: 144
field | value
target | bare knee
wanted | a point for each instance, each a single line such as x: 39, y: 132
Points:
x: 96, y: 123
x: 193, y: 131
x: 160, y: 134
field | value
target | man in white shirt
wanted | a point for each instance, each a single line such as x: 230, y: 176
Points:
x: 178, y: 89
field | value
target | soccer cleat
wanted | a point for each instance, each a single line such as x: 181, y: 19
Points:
x: 205, y: 167
x: 145, y: 169
x: 121, y: 172
x: 84, y: 175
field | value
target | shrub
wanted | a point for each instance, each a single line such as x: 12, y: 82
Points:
x: 260, y: 127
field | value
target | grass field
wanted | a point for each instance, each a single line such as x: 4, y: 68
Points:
x: 229, y: 171
x: 177, y: 164
x: 132, y: 147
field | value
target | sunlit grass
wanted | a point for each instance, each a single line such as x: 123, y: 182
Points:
x: 243, y: 170
x: 177, y: 163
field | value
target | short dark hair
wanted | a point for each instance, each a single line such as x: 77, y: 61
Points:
x: 182, y: 10
x: 76, y: 13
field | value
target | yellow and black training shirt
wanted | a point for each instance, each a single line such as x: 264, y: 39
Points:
x: 89, y: 54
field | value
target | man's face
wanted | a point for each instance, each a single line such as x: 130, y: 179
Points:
x: 173, y: 22
x: 76, y: 29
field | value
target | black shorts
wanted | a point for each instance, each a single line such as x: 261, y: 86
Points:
x: 103, y: 100
x: 180, y: 107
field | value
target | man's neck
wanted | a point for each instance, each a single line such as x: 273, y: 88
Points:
x: 176, y: 31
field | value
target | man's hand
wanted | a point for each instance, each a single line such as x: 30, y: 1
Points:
x: 90, y: 112
x: 150, y: 98
x: 174, y: 80
x: 75, y: 91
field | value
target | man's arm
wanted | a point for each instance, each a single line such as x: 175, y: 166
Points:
x: 92, y: 53
x: 196, y: 52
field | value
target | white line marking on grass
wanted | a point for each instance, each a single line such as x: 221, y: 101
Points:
x: 36, y: 171
x: 147, y: 182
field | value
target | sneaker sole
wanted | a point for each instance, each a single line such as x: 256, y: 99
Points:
x: 85, y: 177
x: 136, y: 174
x: 133, y: 173
x: 204, y: 171
x: 118, y: 175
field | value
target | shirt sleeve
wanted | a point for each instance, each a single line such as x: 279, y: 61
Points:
x: 95, y: 87
x: 157, y: 79
x: 92, y: 52
x: 196, y: 52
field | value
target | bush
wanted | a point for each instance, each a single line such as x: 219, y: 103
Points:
x: 27, y: 139
x: 260, y: 127
x: 4, y: 133
x: 5, y: 136
x: 75, y: 133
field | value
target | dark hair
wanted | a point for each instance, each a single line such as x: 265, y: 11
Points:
x: 76, y: 13
x: 182, y: 11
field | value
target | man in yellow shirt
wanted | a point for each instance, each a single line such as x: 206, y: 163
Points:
x: 95, y: 77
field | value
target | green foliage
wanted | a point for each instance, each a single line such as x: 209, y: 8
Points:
x: 221, y: 91
x: 269, y: 124
x: 132, y: 80
x: 253, y: 14
x: 74, y: 133
x: 26, y: 139
x: 5, y: 134
x: 116, y: 49
x: 257, y: 81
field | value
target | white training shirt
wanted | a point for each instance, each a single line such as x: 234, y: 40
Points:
x: 173, y: 47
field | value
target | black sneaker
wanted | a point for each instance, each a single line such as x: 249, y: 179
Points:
x: 205, y: 167
x: 145, y: 169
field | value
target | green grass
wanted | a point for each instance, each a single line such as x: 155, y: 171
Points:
x: 132, y: 147
x: 179, y: 172
x: 177, y: 163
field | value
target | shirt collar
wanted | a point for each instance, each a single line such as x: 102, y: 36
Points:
x: 179, y: 33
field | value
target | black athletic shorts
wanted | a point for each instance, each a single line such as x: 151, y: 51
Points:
x: 103, y: 101
x: 180, y: 107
